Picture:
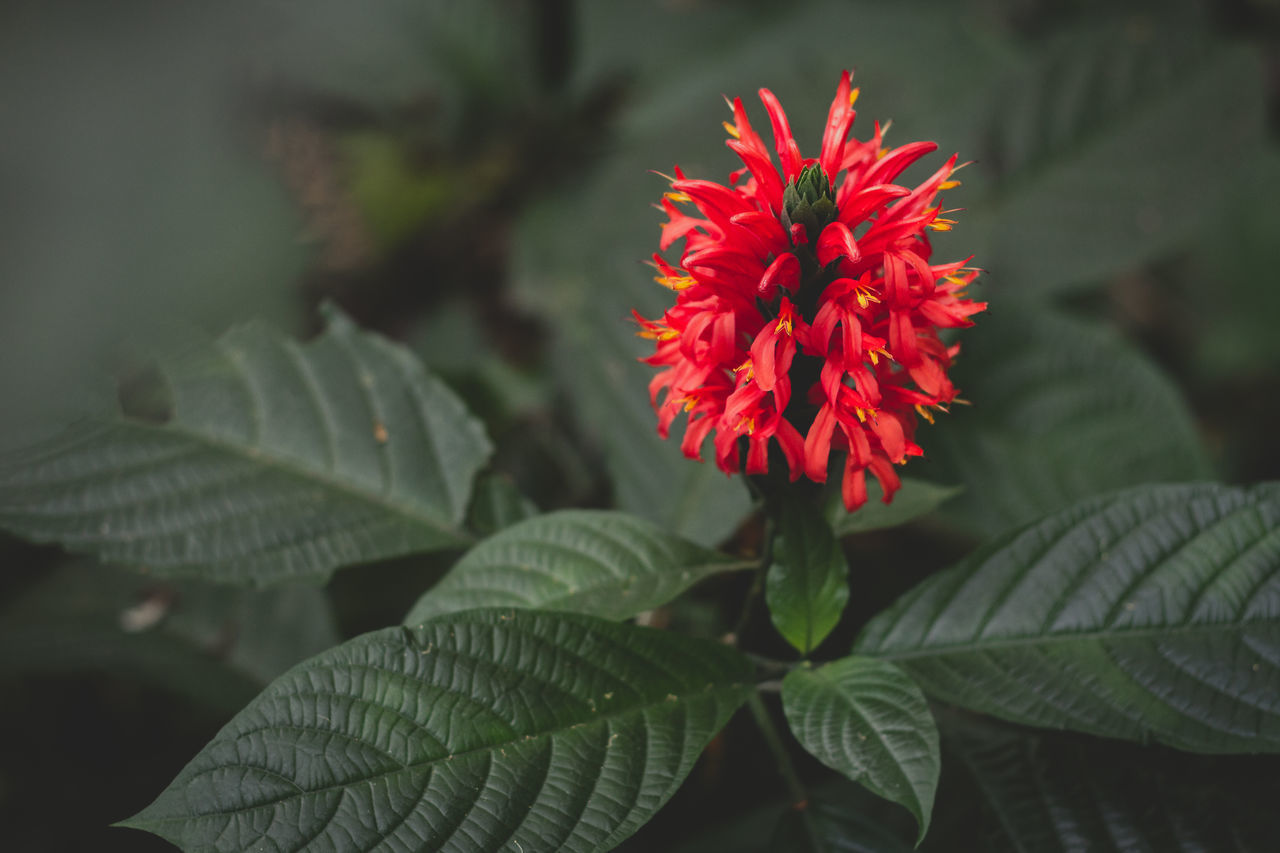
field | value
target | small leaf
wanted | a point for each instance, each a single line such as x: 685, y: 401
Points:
x: 1151, y: 613
x: 868, y: 720
x: 489, y: 730
x: 497, y: 503
x: 916, y: 498
x: 279, y: 460
x: 607, y: 564
x: 807, y: 587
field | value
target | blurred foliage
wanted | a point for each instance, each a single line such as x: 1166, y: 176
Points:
x: 476, y: 180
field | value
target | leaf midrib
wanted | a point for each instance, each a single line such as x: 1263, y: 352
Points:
x: 489, y: 748
x: 1052, y: 639
x: 256, y: 455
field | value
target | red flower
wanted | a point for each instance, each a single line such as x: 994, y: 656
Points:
x: 815, y: 274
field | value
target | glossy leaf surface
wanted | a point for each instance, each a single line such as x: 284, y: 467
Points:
x: 490, y: 730
x: 607, y: 564
x: 807, y: 586
x: 867, y: 719
x: 1151, y: 613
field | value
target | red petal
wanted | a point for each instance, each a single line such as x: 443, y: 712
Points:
x: 763, y: 352
x: 783, y: 272
x: 889, y: 430
x: 792, y: 444
x: 853, y: 488
x: 817, y: 444
x: 839, y: 120
x: 837, y: 242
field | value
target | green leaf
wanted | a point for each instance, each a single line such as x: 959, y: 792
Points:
x: 1151, y: 613
x: 1044, y: 792
x: 807, y: 586
x: 484, y: 731
x: 497, y: 503
x: 1092, y: 166
x: 1062, y: 410
x: 916, y: 498
x: 214, y: 644
x: 279, y: 460
x: 868, y: 720
x: 607, y: 564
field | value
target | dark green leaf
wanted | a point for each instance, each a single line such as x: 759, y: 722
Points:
x: 496, y: 504
x: 489, y: 730
x: 868, y: 720
x: 1057, y: 793
x: 1150, y: 613
x: 915, y: 499
x: 278, y: 461
x: 807, y: 585
x: 215, y: 644
x: 1062, y: 410
x: 607, y: 564
x: 1095, y: 167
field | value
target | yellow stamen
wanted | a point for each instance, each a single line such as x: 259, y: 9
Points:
x: 748, y: 423
x: 658, y: 333
x: 677, y: 197
x: 948, y: 185
x: 853, y: 95
x: 689, y: 400
x: 864, y: 296
x: 924, y: 413
x: 784, y: 325
x: 861, y: 413
x: 731, y: 129
x: 747, y: 366
x: 941, y: 224
x: 876, y: 353
x: 678, y: 282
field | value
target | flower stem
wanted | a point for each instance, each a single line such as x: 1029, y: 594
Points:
x: 757, y: 582
x: 795, y: 788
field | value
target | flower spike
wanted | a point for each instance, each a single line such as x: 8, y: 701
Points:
x: 816, y: 271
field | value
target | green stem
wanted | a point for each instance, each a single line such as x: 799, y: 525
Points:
x: 795, y: 788
x: 757, y: 582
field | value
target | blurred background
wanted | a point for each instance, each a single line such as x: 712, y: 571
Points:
x: 475, y: 179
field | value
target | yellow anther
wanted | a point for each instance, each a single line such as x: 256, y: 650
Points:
x: 784, y: 325
x: 689, y: 400
x: 657, y: 332
x: 876, y: 353
x: 864, y: 296
x: 677, y: 197
x: 924, y: 413
x: 747, y: 366
x: 948, y: 185
x: 678, y: 282
x: 861, y: 413
x: 748, y: 423
x: 731, y: 129
x: 941, y: 224
x: 853, y: 95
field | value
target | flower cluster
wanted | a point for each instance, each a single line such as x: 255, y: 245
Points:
x: 807, y: 310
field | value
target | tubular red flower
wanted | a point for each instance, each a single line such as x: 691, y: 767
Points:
x: 815, y: 271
